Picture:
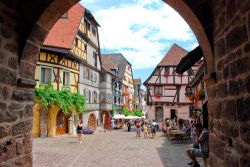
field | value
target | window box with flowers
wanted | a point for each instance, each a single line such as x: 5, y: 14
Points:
x: 158, y: 95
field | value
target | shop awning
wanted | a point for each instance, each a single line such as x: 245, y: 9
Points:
x: 189, y: 60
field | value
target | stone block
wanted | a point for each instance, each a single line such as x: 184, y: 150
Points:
x: 23, y: 94
x: 219, y: 48
x: 239, y: 66
x: 242, y: 108
x: 216, y: 146
x: 3, y: 106
x: 27, y: 69
x: 241, y: 148
x: 231, y: 161
x: 28, y: 111
x: 19, y: 145
x: 245, y: 161
x: 30, y: 53
x: 7, y: 76
x: 226, y: 71
x: 229, y: 110
x: 222, y: 90
x: 8, y: 149
x: 233, y: 88
x: 13, y: 63
x: 5, y: 33
x: 15, y: 106
x: 247, y: 46
x: 11, y: 47
x: 3, y: 132
x: 247, y: 83
x: 38, y: 34
x: 236, y: 37
x: 3, y: 56
x: 245, y: 132
x: 22, y: 127
x: 8, y: 116
x: 28, y: 143
x: 25, y: 160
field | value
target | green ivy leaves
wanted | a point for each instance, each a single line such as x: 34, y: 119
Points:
x: 63, y: 98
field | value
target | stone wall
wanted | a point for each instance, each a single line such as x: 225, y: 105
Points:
x: 229, y: 98
x: 15, y: 105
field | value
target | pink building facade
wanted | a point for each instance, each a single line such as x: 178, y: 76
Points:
x: 166, y: 89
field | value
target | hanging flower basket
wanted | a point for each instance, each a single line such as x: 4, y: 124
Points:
x: 158, y: 96
x: 166, y: 74
x: 103, y: 101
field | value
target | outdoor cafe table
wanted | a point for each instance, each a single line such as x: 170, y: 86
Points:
x: 176, y: 135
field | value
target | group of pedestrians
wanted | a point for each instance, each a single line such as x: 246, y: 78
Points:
x: 148, y: 128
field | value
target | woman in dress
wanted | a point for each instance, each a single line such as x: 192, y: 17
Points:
x: 79, y: 131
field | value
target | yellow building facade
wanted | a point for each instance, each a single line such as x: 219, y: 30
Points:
x: 55, y: 69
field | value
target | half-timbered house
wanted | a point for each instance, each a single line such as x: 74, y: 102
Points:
x: 125, y: 75
x: 71, y: 47
x: 166, y: 88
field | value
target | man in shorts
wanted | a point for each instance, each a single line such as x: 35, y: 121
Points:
x: 203, y: 150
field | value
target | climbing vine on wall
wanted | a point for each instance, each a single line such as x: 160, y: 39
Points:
x: 63, y: 98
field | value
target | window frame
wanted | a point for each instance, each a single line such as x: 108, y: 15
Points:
x: 65, y: 71
x: 51, y: 77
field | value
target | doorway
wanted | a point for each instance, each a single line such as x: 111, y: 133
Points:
x: 61, y: 123
x: 92, y: 122
x: 172, y: 113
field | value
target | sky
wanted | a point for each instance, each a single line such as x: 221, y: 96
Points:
x: 142, y: 30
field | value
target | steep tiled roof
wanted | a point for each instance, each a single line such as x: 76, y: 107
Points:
x: 64, y: 31
x: 173, y: 56
x: 119, y: 60
x: 107, y: 64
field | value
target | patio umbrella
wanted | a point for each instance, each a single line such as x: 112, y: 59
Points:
x: 130, y: 117
x: 118, y: 116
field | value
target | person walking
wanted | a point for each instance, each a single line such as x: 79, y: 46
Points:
x: 138, y: 129
x: 153, y: 129
x: 129, y: 125
x: 149, y: 129
x: 145, y: 130
x: 79, y: 130
x: 112, y: 124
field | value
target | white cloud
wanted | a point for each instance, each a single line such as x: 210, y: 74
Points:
x: 137, y: 30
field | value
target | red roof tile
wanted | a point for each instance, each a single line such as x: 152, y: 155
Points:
x: 64, y: 31
x: 173, y: 56
x: 107, y: 64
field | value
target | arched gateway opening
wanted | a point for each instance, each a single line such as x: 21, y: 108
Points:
x: 223, y: 32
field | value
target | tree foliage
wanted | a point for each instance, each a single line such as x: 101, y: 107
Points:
x: 65, y: 99
x: 127, y: 112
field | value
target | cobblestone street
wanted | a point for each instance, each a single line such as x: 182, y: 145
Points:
x: 108, y: 149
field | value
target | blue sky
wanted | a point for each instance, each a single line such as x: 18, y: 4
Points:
x: 142, y: 30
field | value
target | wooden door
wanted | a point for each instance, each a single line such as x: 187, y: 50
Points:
x: 61, y: 123
x: 106, y: 121
x: 92, y: 122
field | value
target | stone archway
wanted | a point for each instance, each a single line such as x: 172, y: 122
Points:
x: 223, y: 32
x: 92, y: 121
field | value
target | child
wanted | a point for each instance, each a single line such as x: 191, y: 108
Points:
x: 145, y: 130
